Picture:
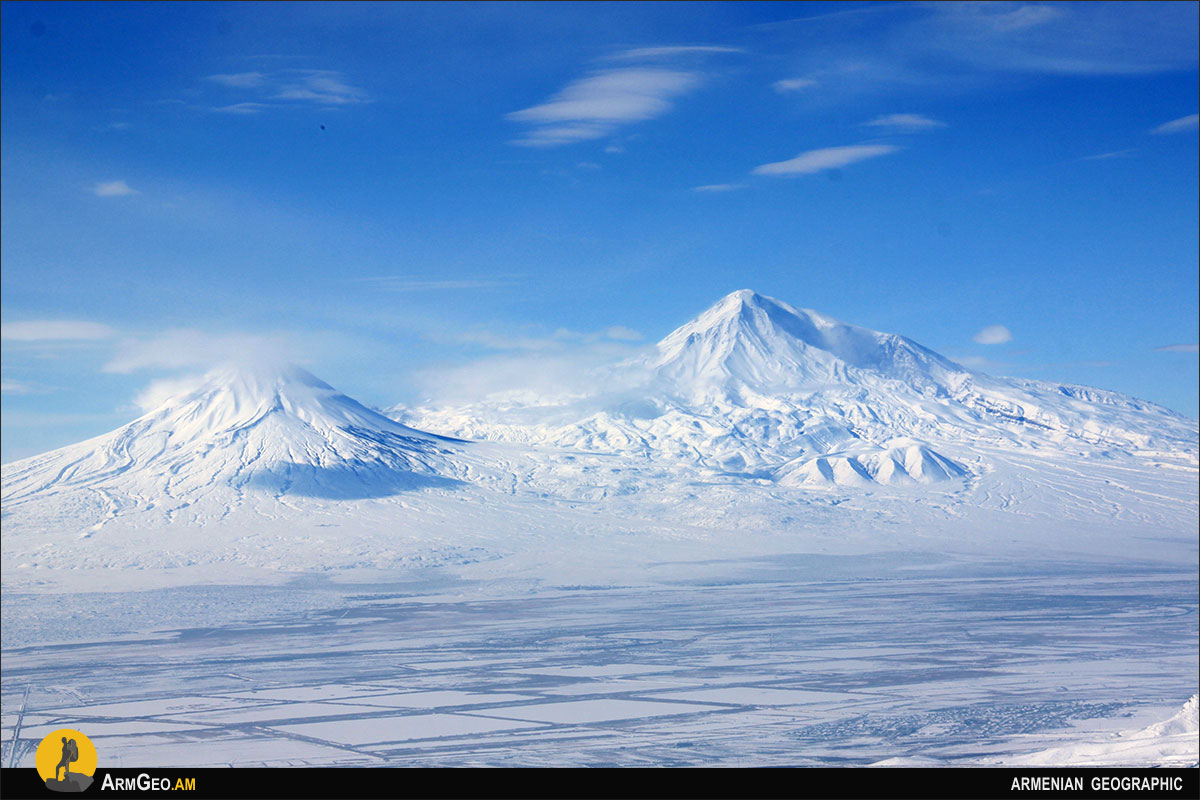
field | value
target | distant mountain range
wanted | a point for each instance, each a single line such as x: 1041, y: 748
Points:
x: 754, y: 408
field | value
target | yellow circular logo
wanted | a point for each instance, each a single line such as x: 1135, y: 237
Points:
x: 66, y: 760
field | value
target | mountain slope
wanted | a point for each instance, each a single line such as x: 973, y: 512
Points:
x: 280, y: 431
x: 756, y: 387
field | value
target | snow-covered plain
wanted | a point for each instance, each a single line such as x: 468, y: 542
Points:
x: 774, y: 539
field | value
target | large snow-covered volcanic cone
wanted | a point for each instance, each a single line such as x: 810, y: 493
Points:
x: 278, y: 431
x: 756, y: 387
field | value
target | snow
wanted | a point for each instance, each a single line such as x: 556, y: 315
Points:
x: 1174, y: 742
x: 774, y: 534
x: 583, y: 712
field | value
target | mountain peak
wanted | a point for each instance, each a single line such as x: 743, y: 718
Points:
x: 275, y: 428
x: 749, y: 340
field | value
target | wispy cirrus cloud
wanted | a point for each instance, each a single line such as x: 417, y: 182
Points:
x: 17, y: 387
x: 407, y: 283
x: 825, y: 158
x: 716, y: 188
x: 1188, y: 123
x: 181, y: 348
x: 672, y: 51
x: 597, y: 105
x: 55, y: 331
x: 117, y: 188
x: 243, y: 108
x: 793, y: 85
x: 1110, y: 155
x: 240, y: 80
x: 603, y: 101
x: 971, y: 45
x: 1178, y: 348
x: 286, y: 88
x: 993, y: 334
x: 905, y: 123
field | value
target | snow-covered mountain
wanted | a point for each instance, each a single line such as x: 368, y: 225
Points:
x: 756, y: 387
x: 755, y: 428
x: 278, y: 430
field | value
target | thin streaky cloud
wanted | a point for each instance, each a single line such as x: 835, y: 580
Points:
x: 243, y: 108
x: 1114, y: 154
x: 118, y: 188
x: 404, y: 284
x: 793, y: 85
x: 240, y: 80
x: 714, y: 188
x: 905, y: 122
x: 1188, y: 123
x: 14, y: 387
x: 1178, y: 348
x: 54, y: 330
x: 825, y: 158
x: 595, y: 106
x: 287, y: 88
x: 671, y: 52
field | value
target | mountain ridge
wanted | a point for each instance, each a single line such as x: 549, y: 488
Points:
x: 753, y: 384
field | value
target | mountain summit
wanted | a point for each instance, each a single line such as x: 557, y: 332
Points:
x: 748, y: 340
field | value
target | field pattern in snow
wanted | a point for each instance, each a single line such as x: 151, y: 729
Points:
x: 951, y: 670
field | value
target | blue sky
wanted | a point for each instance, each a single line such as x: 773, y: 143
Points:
x: 429, y: 200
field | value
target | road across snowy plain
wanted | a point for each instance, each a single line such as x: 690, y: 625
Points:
x: 915, y: 665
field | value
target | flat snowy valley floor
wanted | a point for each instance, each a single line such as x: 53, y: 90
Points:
x: 834, y: 660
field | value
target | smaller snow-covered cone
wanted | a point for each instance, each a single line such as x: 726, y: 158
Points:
x: 900, y: 462
x: 277, y: 431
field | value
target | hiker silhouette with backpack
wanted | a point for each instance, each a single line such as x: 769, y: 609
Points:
x: 70, y: 752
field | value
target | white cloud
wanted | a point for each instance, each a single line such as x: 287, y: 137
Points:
x: 287, y: 88
x: 1188, y: 123
x: 672, y: 52
x: 977, y: 362
x: 595, y: 106
x: 562, y: 339
x: 718, y: 187
x: 240, y: 80
x: 188, y: 348
x: 1003, y: 17
x: 323, y: 87
x: 813, y: 161
x: 993, y: 334
x: 1113, y: 154
x: 908, y: 123
x: 54, y: 330
x: 117, y: 188
x: 405, y: 283
x: 244, y: 108
x: 1178, y: 348
x: 162, y: 390
x: 15, y: 387
x: 539, y: 376
x: 793, y: 85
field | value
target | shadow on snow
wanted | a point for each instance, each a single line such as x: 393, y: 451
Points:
x: 356, y: 480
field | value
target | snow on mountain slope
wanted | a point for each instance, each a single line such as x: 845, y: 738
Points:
x: 279, y: 430
x: 756, y: 429
x: 747, y: 342
x: 756, y: 387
